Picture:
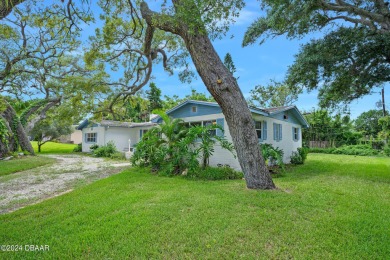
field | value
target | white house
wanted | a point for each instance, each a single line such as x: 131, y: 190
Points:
x: 279, y: 126
x: 118, y: 132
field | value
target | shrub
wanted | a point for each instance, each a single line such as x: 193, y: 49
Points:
x: 272, y: 155
x: 386, y: 150
x: 364, y: 150
x: 299, y: 156
x: 118, y: 156
x: 361, y: 149
x: 173, y: 148
x: 93, y: 147
x: 215, y: 173
x: 105, y: 150
x: 78, y: 148
x: 321, y: 150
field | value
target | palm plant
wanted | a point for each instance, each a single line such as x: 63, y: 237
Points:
x: 207, y: 140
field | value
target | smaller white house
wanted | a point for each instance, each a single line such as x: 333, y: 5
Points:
x: 123, y: 134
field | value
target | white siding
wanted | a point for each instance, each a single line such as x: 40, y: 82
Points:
x: 100, y: 137
x: 287, y: 144
x: 119, y: 135
x: 220, y: 156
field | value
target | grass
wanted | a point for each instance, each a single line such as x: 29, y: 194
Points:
x: 23, y: 163
x: 333, y: 207
x: 54, y: 148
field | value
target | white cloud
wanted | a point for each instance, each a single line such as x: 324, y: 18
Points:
x: 246, y: 17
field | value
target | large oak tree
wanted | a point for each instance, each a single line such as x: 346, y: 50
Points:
x: 349, y: 61
x: 191, y: 24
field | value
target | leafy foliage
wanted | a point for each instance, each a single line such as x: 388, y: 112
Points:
x: 78, y: 148
x: 362, y: 150
x: 336, y: 129
x: 368, y: 122
x: 105, y: 151
x: 385, y: 123
x: 215, y: 173
x: 299, y: 156
x: 274, y: 94
x: 349, y: 62
x: 154, y: 97
x: 174, y: 148
x: 171, y: 102
x: 272, y: 155
x: 4, y: 134
x: 344, y: 65
x: 48, y: 130
x: 229, y: 64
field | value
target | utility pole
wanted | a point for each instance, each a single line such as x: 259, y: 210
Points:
x: 383, y: 101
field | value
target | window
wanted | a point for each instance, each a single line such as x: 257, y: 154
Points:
x: 199, y: 123
x: 295, y: 132
x: 142, y: 132
x: 194, y: 109
x: 90, y: 137
x: 258, y: 126
x: 213, y: 132
x: 277, y: 132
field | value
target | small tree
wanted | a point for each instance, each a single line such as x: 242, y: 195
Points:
x: 46, y: 131
x: 368, y: 122
x: 229, y: 64
x: 154, y: 97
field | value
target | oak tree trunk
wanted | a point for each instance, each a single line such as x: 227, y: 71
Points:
x: 224, y: 88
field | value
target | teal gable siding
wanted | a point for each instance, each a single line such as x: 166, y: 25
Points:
x: 291, y: 117
x: 186, y: 111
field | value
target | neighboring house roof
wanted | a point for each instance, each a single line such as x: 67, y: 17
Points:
x: 83, y: 124
x: 273, y: 112
x: 111, y: 123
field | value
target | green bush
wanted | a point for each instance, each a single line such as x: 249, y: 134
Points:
x: 299, y: 156
x: 360, y: 149
x: 174, y: 148
x: 78, y: 148
x: 93, y: 147
x: 105, y: 150
x: 118, y: 156
x: 272, y: 155
x: 215, y: 173
x: 386, y: 150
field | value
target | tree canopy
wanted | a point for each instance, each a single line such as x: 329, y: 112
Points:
x: 349, y: 61
x: 275, y: 94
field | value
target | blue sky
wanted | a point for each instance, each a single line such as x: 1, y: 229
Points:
x: 258, y: 64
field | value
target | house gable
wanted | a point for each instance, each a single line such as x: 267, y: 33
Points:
x: 287, y: 116
x: 191, y: 108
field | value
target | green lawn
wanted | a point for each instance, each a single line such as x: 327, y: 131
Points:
x: 51, y: 147
x: 24, y: 163
x: 333, y: 207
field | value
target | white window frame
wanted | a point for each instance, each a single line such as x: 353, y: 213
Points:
x: 259, y: 129
x: 278, y: 132
x: 295, y: 133
x: 89, y: 139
